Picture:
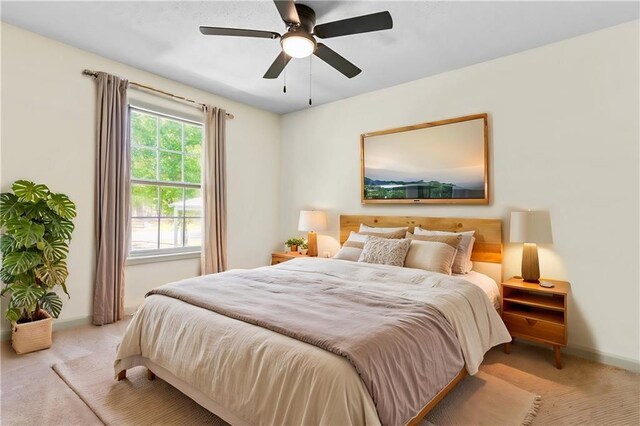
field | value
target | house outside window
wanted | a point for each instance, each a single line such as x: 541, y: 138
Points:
x: 166, y: 201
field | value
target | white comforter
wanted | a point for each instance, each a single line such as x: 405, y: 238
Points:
x: 256, y: 376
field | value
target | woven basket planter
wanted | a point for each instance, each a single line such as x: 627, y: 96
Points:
x: 32, y: 336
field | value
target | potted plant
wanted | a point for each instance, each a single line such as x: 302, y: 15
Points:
x: 35, y: 244
x: 304, y: 247
x: 293, y: 243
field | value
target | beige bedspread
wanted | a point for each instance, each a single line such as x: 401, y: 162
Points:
x: 264, y: 377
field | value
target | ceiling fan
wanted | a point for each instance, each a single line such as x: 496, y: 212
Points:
x: 299, y: 41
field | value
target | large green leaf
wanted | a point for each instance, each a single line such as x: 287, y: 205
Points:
x: 51, y: 303
x: 6, y: 277
x: 19, y: 262
x: 7, y: 244
x: 26, y: 295
x: 14, y: 314
x: 53, y: 274
x: 53, y: 250
x: 29, y: 191
x: 62, y: 205
x: 37, y: 210
x: 10, y: 207
x: 60, y: 228
x: 25, y: 232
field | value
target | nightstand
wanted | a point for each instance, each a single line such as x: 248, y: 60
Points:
x: 536, y: 313
x: 283, y: 257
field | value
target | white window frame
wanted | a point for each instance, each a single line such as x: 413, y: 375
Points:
x: 159, y: 254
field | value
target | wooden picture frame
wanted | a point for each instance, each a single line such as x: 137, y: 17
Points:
x: 469, y: 135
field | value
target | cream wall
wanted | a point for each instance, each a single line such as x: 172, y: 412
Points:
x: 563, y: 136
x: 47, y: 136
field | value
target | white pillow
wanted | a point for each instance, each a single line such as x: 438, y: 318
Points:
x: 352, y: 248
x: 462, y: 263
x: 365, y: 228
x: 469, y: 262
x: 430, y: 256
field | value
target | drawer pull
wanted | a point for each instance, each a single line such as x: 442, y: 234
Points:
x: 531, y: 322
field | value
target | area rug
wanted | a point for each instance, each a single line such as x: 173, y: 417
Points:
x: 479, y: 400
x: 39, y: 401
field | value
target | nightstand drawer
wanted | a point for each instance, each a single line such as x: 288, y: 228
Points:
x: 278, y: 259
x: 544, y: 331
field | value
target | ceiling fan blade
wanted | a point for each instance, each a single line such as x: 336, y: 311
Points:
x: 277, y: 66
x: 287, y: 11
x: 237, y: 32
x: 360, y: 24
x: 336, y: 61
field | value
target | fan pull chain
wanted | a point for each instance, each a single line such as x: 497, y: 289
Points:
x: 310, y: 74
x: 284, y: 59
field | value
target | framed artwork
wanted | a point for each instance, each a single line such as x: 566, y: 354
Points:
x: 444, y: 162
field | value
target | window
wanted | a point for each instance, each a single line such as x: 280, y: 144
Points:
x: 166, y: 210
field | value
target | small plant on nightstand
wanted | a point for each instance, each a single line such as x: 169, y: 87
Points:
x: 293, y: 243
x: 304, y: 247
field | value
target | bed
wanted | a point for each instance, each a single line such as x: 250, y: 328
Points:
x: 291, y: 343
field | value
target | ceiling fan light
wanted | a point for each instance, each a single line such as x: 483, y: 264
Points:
x: 298, y: 46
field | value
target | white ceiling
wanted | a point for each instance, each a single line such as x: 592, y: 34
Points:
x: 428, y: 38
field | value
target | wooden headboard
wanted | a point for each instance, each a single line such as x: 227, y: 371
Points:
x: 487, y: 248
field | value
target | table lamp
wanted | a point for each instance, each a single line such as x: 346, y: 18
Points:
x: 312, y: 221
x: 530, y: 228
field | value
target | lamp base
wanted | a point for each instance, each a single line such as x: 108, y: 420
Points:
x: 530, y: 265
x: 312, y: 242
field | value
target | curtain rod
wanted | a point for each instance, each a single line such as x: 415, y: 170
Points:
x: 142, y: 86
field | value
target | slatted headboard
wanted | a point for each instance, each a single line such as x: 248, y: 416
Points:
x: 487, y: 248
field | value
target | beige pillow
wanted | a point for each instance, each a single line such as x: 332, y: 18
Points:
x: 452, y: 240
x: 385, y: 251
x: 379, y: 229
x: 352, y: 248
x: 390, y: 234
x: 431, y: 256
x: 462, y: 262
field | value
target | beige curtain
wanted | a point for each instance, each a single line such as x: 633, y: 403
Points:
x: 112, y: 198
x: 214, y: 245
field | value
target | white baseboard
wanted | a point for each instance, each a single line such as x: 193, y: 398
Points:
x: 625, y: 363
x: 57, y: 326
x: 594, y: 355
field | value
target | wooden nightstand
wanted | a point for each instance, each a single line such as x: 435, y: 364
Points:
x: 283, y: 257
x: 536, y: 313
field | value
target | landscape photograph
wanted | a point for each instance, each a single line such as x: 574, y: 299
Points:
x: 439, y: 162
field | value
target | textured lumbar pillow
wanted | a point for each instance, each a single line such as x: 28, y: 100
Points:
x: 385, y: 251
x: 352, y: 248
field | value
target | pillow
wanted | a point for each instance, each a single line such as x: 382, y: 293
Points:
x: 390, y: 234
x: 469, y: 262
x: 385, y: 251
x: 462, y: 262
x: 452, y: 240
x: 365, y: 228
x: 352, y: 248
x: 431, y: 256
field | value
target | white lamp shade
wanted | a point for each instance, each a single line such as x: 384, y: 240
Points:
x: 312, y: 220
x: 530, y: 227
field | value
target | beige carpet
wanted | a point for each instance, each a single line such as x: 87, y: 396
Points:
x: 138, y: 400
x: 30, y: 387
x: 582, y: 393
x: 473, y: 402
